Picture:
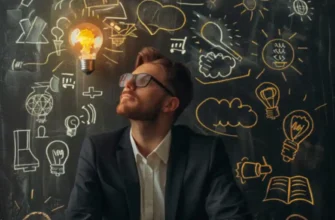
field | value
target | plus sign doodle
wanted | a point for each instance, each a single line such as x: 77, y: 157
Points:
x: 92, y: 93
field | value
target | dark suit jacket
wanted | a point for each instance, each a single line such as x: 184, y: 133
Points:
x: 199, y: 182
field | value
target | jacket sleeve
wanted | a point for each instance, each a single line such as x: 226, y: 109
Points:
x: 224, y: 200
x: 86, y: 195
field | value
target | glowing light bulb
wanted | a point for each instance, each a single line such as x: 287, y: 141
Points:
x: 269, y: 94
x: 57, y: 153
x: 86, y: 40
x: 297, y: 126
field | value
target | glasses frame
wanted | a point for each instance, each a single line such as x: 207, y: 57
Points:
x: 134, y: 76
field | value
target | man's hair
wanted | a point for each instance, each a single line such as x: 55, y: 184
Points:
x: 178, y: 76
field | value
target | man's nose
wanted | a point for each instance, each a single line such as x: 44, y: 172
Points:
x: 130, y: 84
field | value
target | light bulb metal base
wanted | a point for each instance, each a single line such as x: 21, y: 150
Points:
x: 289, y: 150
x: 87, y: 66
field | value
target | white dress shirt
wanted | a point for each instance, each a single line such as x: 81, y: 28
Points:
x: 152, y: 175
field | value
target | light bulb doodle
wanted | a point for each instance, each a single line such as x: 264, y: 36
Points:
x: 250, y: 170
x: 212, y: 34
x: 24, y: 159
x: 297, y: 126
x: 86, y: 40
x: 57, y: 153
x: 301, y: 8
x: 91, y: 114
x: 71, y: 123
x: 39, y: 103
x: 279, y: 53
x: 58, y: 33
x: 269, y: 94
x: 253, y: 6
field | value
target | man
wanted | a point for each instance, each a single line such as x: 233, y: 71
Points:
x: 153, y: 170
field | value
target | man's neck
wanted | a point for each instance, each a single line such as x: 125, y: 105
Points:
x: 148, y: 135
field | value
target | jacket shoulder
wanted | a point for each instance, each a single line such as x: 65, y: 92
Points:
x: 195, y: 136
x: 107, y: 139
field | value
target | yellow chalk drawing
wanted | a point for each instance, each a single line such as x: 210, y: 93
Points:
x: 297, y: 126
x: 120, y: 31
x: 269, y: 94
x: 37, y: 215
x: 278, y: 53
x: 219, y: 110
x: 104, y: 3
x: 289, y: 189
x: 213, y: 34
x: 250, y: 170
x: 233, y: 76
x: 158, y: 13
x: 296, y: 217
x: 252, y: 6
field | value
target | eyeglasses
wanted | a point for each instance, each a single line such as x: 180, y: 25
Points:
x: 141, y: 80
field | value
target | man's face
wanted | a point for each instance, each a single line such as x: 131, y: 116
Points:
x: 143, y: 103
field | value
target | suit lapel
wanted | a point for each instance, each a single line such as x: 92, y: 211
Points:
x: 128, y: 170
x: 175, y: 172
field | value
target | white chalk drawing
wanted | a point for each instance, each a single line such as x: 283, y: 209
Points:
x: 192, y: 3
x: 17, y: 65
x: 59, y: 4
x: 209, y: 65
x: 91, y: 114
x: 39, y: 102
x: 57, y: 153
x: 71, y: 123
x: 54, y: 83
x: 32, y: 32
x: 116, y: 12
x: 24, y: 159
x: 120, y: 31
x: 92, y: 93
x: 67, y: 80
x: 178, y: 44
x: 213, y: 34
x: 58, y: 34
x: 26, y: 3
x: 41, y: 132
x: 301, y: 8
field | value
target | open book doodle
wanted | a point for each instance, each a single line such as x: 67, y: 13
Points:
x: 289, y: 189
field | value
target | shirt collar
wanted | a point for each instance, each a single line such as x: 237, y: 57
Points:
x: 162, y: 149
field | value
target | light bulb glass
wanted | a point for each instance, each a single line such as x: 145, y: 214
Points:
x: 86, y: 40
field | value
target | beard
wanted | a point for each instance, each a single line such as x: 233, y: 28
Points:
x: 135, y: 112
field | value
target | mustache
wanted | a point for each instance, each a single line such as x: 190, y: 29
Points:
x: 124, y: 93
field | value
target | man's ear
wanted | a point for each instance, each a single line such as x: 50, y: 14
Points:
x: 171, y: 104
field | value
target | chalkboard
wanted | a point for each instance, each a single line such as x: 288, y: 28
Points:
x: 263, y: 77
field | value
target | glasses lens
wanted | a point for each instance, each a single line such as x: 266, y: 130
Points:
x: 124, y: 79
x: 142, y: 80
